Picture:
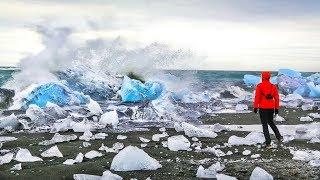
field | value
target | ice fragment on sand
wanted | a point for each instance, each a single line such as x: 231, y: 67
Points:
x: 16, y: 167
x: 57, y: 138
x: 6, y: 158
x: 78, y: 159
x: 52, y: 152
x: 260, y: 174
x: 7, y: 138
x: 107, y: 175
x: 144, y: 140
x: 193, y: 131
x: 278, y: 118
x: 179, y: 142
x: 225, y: 177
x: 246, y: 152
x: 24, y: 155
x: 121, y: 137
x: 251, y: 139
x: 306, y: 118
x: 157, y: 137
x: 132, y: 158
x: 205, y: 173
x: 93, y: 154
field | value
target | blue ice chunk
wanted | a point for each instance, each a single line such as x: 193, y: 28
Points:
x: 289, y: 72
x: 302, y: 91
x: 250, y: 80
x: 135, y: 91
x: 314, y: 90
x: 55, y: 93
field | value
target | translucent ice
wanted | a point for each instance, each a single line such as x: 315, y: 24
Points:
x: 135, y: 91
x: 110, y: 118
x: 52, y: 152
x: 260, y: 174
x: 24, y: 155
x: 57, y: 138
x: 132, y: 158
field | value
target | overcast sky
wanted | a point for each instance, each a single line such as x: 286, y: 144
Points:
x: 229, y: 35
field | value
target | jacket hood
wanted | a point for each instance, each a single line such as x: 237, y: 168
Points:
x: 265, y: 76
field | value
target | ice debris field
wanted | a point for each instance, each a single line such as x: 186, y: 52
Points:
x: 117, y: 129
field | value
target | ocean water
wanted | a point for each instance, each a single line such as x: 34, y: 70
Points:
x: 200, y: 78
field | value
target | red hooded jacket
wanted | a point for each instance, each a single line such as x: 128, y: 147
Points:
x: 264, y: 88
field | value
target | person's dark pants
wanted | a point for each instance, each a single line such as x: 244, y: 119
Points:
x: 266, y: 117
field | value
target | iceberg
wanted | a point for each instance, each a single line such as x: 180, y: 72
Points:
x: 56, y: 93
x: 179, y: 142
x: 135, y: 91
x: 132, y: 158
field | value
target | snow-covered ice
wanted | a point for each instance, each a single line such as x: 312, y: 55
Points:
x: 24, y: 155
x: 179, y: 142
x: 310, y: 156
x: 132, y: 158
x: 52, y: 152
x: 260, y: 174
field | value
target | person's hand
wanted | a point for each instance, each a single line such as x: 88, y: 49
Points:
x: 276, y: 111
x: 255, y: 110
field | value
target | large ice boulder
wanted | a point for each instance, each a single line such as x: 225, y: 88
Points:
x: 193, y: 131
x: 289, y: 72
x: 135, y: 91
x: 56, y: 93
x: 132, y: 158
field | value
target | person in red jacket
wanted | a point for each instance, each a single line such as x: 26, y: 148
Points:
x: 266, y: 100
